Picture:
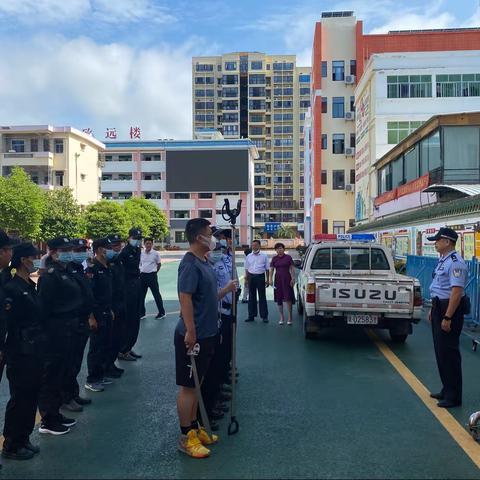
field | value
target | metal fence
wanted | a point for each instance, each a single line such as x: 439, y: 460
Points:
x: 422, y: 268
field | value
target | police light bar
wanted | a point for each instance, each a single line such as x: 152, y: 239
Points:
x: 352, y: 237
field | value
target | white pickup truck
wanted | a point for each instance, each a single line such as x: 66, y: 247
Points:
x: 345, y: 283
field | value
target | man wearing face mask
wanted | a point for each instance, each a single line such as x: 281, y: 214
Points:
x: 61, y: 298
x: 130, y: 257
x: 101, y: 322
x: 198, y: 323
x: 25, y: 347
x: 256, y: 272
x: 72, y: 401
x: 118, y: 304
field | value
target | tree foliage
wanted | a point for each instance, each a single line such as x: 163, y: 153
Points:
x: 104, y: 218
x: 21, y: 205
x: 156, y: 225
x: 285, y: 232
x: 62, y: 215
x: 138, y: 216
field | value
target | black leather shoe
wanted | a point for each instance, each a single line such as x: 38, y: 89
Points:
x: 265, y: 320
x: 83, y: 401
x: 33, y: 448
x: 21, y: 453
x: 249, y: 319
x: 135, y: 355
x: 438, y: 396
x: 448, y: 404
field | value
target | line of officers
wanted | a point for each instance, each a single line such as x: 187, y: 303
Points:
x: 80, y: 295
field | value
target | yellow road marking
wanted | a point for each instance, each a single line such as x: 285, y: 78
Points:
x: 448, y: 421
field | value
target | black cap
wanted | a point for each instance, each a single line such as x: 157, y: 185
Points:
x: 79, y: 242
x: 216, y: 232
x: 135, y: 233
x: 25, y: 249
x: 101, y: 242
x: 445, y: 232
x: 114, y: 238
x: 6, y: 241
x: 59, y: 242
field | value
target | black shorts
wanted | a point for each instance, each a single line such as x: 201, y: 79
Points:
x: 182, y: 360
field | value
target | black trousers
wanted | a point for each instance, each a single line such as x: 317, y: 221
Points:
x: 212, y: 380
x: 99, y: 347
x: 118, y: 334
x: 225, y: 347
x: 150, y: 281
x: 256, y: 283
x: 71, y: 388
x: 447, y: 351
x: 132, y: 302
x: 57, y: 364
x: 24, y: 373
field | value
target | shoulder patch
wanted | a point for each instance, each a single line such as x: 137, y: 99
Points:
x: 454, y: 258
x: 457, y: 272
x: 50, y: 270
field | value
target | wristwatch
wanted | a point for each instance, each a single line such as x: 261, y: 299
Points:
x: 446, y: 317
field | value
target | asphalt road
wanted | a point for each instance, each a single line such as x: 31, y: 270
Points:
x: 329, y: 408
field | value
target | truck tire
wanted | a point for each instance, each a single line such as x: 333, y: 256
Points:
x: 308, y: 334
x: 398, y: 338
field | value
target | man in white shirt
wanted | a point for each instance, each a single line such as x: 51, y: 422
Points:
x: 256, y: 275
x: 149, y: 266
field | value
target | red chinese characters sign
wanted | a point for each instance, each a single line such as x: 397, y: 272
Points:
x: 416, y: 185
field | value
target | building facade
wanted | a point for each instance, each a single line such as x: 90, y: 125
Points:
x: 186, y: 179
x: 54, y: 157
x: 397, y: 94
x: 264, y: 98
x: 340, y: 52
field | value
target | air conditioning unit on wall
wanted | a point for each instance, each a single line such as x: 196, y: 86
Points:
x: 349, y: 187
x: 349, y: 79
x: 349, y: 115
x: 349, y: 152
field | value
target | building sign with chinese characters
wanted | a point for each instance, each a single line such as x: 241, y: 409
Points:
x: 111, y: 133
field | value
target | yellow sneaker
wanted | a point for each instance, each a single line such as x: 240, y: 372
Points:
x: 191, y: 445
x: 205, y: 438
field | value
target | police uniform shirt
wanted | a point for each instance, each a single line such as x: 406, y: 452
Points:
x: 130, y: 257
x: 102, y: 286
x: 4, y: 277
x: 118, y: 279
x: 223, y: 272
x: 77, y: 271
x: 451, y: 271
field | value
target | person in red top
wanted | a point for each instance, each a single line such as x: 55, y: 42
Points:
x: 282, y: 265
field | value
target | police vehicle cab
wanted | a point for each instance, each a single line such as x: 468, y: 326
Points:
x: 348, y: 280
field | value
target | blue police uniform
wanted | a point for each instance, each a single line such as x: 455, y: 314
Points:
x: 451, y: 271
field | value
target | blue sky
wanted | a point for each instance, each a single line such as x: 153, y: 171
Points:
x: 122, y: 63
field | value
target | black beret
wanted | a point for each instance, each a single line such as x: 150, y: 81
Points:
x: 59, y: 242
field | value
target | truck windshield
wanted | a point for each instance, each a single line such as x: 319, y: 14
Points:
x: 344, y: 258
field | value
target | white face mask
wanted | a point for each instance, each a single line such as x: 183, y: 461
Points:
x: 215, y: 256
x: 209, y: 242
x: 134, y: 242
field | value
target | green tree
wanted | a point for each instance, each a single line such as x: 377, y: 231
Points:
x: 285, y: 232
x: 105, y: 217
x: 158, y: 224
x: 21, y: 205
x: 62, y: 215
x: 138, y: 216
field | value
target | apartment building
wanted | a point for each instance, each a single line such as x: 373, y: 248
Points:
x: 396, y: 95
x: 264, y: 98
x: 186, y: 179
x: 340, y: 52
x: 54, y: 157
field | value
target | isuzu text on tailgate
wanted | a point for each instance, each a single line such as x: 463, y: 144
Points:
x: 350, y: 280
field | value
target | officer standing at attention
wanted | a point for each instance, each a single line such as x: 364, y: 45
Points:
x: 61, y: 299
x: 448, y: 300
x: 130, y: 257
x: 118, y: 304
x: 101, y: 322
x: 72, y: 401
x: 25, y: 346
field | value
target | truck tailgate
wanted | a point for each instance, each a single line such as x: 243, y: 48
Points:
x: 355, y: 295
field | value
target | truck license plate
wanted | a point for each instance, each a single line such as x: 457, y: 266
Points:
x: 362, y: 319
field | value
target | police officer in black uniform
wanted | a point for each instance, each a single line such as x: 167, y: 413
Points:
x: 24, y: 350
x: 101, y: 334
x: 61, y: 298
x: 72, y: 401
x: 448, y: 307
x: 118, y: 304
x: 130, y: 257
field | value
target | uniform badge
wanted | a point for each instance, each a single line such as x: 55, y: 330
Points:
x: 457, y: 272
x: 51, y: 270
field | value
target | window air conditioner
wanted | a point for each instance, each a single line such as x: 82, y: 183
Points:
x: 349, y: 187
x: 349, y: 152
x: 349, y: 79
x: 349, y: 115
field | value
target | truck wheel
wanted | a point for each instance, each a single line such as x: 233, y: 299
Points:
x: 398, y: 338
x: 306, y: 332
x: 299, y: 305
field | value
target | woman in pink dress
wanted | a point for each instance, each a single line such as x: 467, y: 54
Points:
x: 284, y: 281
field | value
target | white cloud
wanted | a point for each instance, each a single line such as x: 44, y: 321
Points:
x: 474, y: 20
x: 80, y: 83
x: 415, y: 21
x: 44, y: 12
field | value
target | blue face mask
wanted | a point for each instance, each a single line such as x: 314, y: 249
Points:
x: 79, y: 257
x: 111, y: 254
x: 134, y: 242
x: 215, y: 256
x: 223, y: 243
x: 65, y: 257
x: 36, y: 264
